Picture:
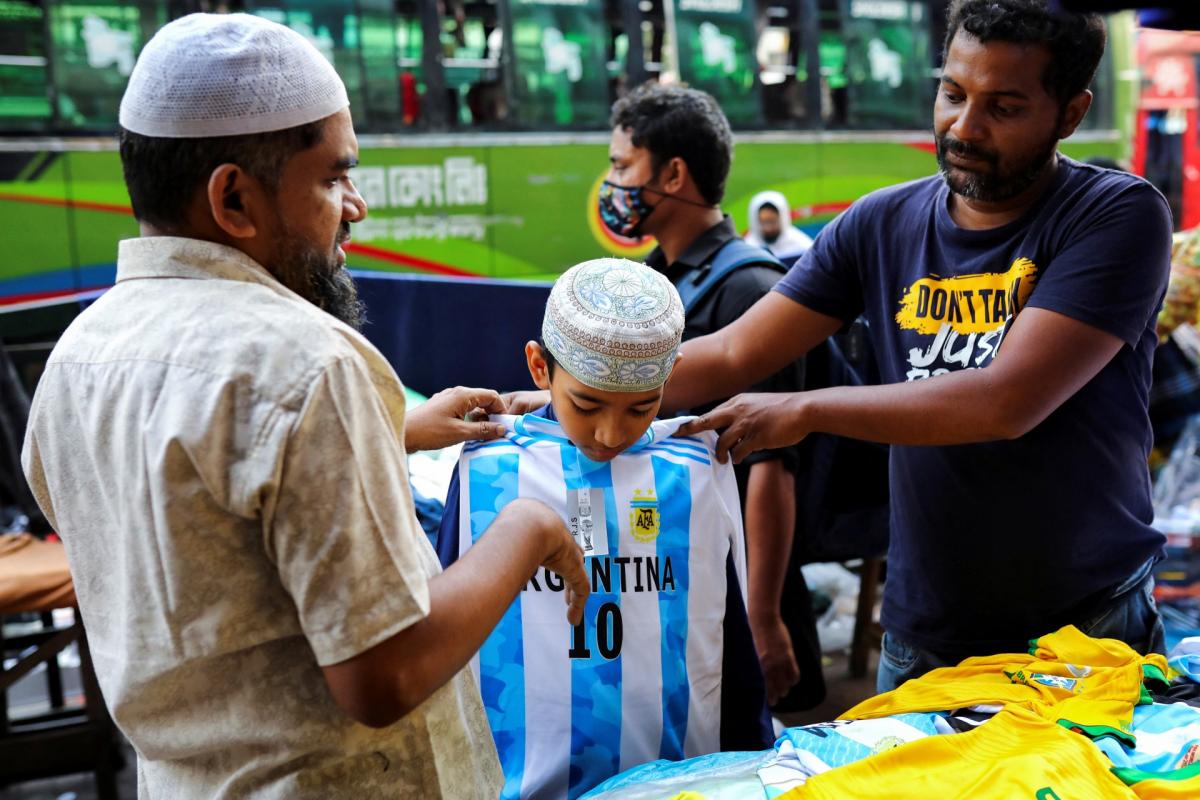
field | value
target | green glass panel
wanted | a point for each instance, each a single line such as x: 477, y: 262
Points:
x: 95, y: 46
x: 560, y: 53
x: 24, y: 101
x: 832, y: 53
x: 888, y: 63
x: 716, y: 44
x: 379, y: 60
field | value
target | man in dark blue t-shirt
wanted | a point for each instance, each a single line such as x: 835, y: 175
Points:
x: 1011, y: 301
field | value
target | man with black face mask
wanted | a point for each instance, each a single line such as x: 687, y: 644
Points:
x: 669, y: 157
x: 1012, y: 302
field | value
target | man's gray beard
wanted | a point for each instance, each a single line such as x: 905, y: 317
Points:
x: 319, y: 279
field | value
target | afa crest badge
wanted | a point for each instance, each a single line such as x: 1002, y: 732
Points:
x: 643, y: 516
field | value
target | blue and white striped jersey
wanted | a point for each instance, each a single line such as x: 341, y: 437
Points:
x: 1168, y: 740
x: 641, y: 678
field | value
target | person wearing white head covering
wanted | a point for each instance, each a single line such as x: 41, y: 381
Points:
x: 223, y: 454
x: 771, y: 227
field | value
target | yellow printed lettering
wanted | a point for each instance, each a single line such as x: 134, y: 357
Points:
x: 968, y: 303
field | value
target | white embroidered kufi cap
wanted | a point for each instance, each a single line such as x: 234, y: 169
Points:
x: 209, y: 75
x: 615, y: 325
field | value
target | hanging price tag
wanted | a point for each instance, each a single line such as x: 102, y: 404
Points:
x: 586, y: 520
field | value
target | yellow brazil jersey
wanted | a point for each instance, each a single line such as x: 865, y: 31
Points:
x: 1089, y: 685
x: 1016, y: 755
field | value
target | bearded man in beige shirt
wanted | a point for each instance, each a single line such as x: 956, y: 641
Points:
x: 224, y: 456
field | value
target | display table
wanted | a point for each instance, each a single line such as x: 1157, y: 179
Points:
x: 34, y: 577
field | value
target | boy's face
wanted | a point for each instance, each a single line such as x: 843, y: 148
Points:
x: 602, y: 424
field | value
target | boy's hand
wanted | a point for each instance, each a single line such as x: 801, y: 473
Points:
x: 752, y: 422
x: 562, y: 555
x: 453, y: 416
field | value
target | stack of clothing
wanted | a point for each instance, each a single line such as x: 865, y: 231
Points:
x: 1175, y: 391
x: 1073, y: 717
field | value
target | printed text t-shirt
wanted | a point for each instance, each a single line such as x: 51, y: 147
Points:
x: 993, y: 544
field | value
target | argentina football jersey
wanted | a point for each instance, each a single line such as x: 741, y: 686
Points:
x: 641, y: 677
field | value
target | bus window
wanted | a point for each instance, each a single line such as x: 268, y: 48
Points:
x: 831, y: 58
x: 716, y: 44
x: 410, y: 44
x: 472, y: 42
x: 560, y: 63
x: 622, y: 61
x: 637, y: 33
x: 24, y: 85
x: 653, y: 29
x: 380, y: 65
x: 94, y: 47
x: 783, y: 64
x: 887, y: 63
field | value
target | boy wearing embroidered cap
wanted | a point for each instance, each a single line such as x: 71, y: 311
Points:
x: 641, y: 677
x: 223, y: 454
x: 613, y: 327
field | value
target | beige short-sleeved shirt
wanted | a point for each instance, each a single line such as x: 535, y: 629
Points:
x: 224, y: 462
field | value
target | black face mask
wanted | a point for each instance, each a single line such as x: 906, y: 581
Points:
x: 623, y: 208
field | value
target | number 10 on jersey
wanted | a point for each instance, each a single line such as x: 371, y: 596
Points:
x: 610, y: 632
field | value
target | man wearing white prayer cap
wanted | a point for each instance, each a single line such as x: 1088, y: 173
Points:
x: 224, y: 456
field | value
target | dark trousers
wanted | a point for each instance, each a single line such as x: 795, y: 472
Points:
x: 1131, y: 616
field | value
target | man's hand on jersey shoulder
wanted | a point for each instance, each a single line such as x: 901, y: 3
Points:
x: 751, y: 422
x: 453, y: 416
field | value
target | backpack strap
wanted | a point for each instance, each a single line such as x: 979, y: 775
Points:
x: 696, y: 284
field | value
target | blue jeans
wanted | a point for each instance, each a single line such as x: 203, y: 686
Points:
x: 1131, y: 616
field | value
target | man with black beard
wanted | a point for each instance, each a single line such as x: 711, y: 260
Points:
x: 1012, y: 303
x: 223, y: 454
x: 320, y: 278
